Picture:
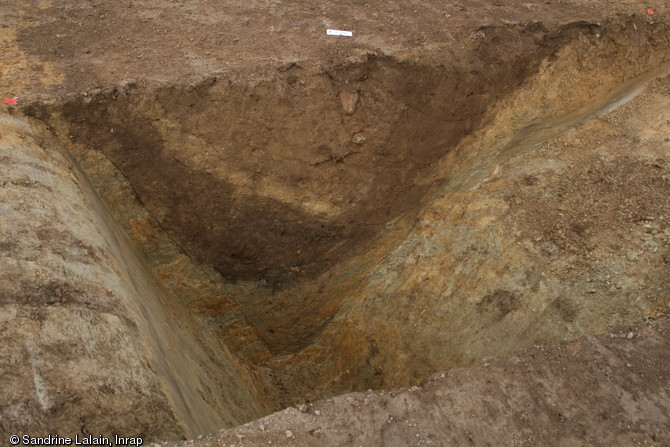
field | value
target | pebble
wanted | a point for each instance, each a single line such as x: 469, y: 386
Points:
x: 358, y: 138
x: 349, y: 101
x: 289, y: 434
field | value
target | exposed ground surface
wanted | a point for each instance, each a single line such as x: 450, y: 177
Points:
x: 212, y: 211
x: 594, y: 391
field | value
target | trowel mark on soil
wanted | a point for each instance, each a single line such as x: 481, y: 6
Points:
x: 40, y: 390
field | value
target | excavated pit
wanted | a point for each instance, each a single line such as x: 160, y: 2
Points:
x: 282, y: 211
x: 282, y: 180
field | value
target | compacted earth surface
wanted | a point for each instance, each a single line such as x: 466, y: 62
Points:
x: 450, y: 228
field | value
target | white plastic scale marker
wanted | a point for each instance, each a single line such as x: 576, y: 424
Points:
x: 338, y: 32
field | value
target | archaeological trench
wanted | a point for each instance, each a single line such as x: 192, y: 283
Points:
x: 452, y: 228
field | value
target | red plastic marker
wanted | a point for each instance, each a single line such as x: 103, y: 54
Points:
x: 11, y: 101
x: 650, y: 11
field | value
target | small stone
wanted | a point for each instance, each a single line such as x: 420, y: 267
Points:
x: 632, y: 256
x: 349, y: 101
x: 591, y: 291
x: 629, y: 335
x: 358, y: 138
x: 302, y: 408
x: 317, y: 412
x: 128, y: 84
x: 289, y: 434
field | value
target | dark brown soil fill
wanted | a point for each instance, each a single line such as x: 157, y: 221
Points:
x: 296, y: 131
